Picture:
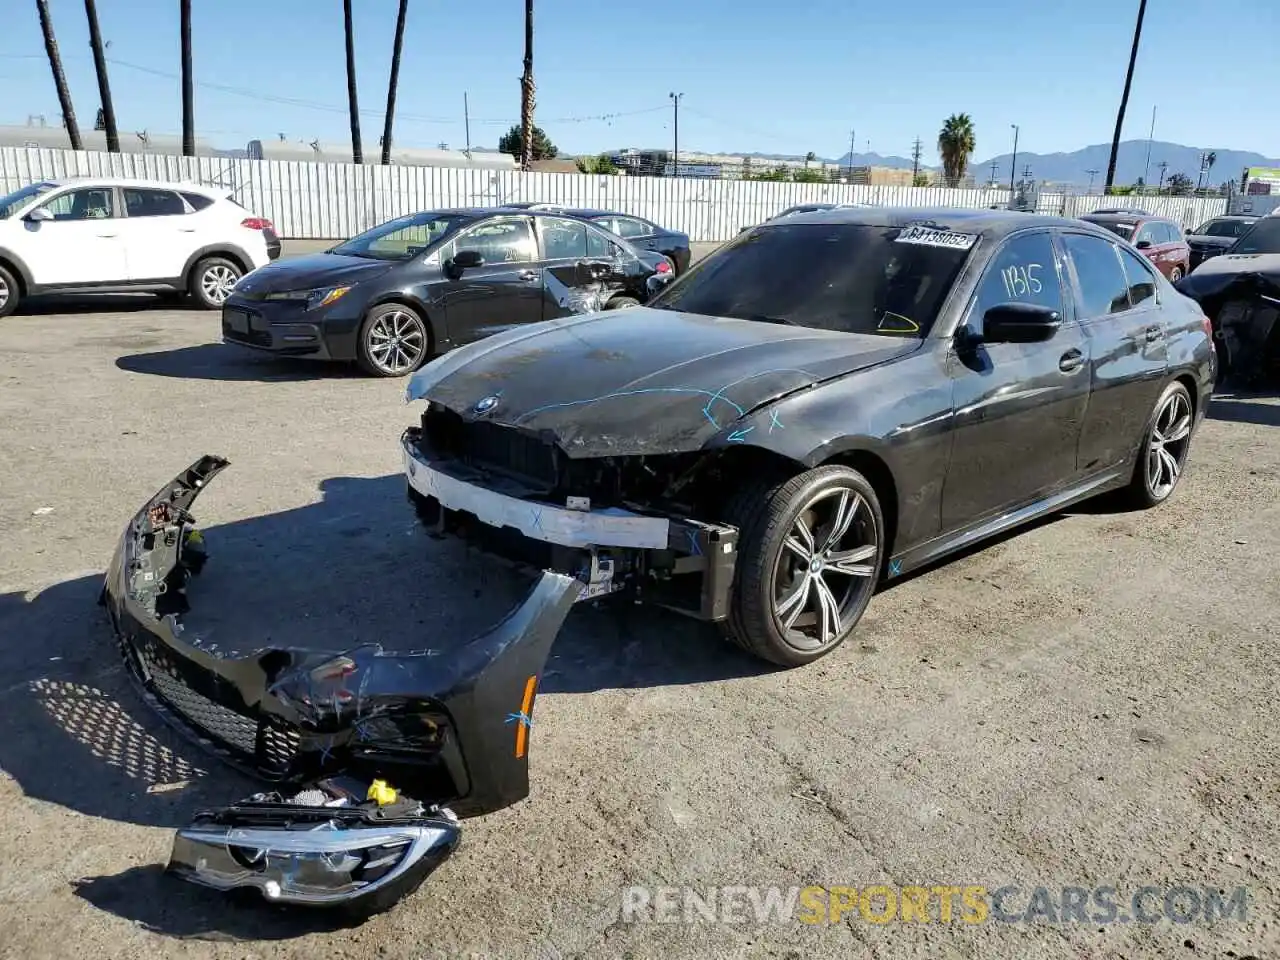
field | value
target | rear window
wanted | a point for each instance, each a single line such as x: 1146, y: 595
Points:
x: 853, y: 278
x: 1119, y: 228
x: 1224, y: 228
x: 1264, y: 237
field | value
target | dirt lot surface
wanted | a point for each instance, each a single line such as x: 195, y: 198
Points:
x: 1092, y: 702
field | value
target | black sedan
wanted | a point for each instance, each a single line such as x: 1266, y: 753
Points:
x: 828, y: 400
x: 641, y: 233
x: 422, y: 284
x: 1216, y: 236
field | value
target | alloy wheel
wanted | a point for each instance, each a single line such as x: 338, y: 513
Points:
x: 217, y: 283
x: 1168, y: 445
x: 397, y: 342
x: 1175, y: 274
x: 826, y: 563
x: 4, y: 292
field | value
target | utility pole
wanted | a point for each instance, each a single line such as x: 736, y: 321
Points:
x: 466, y: 119
x: 853, y: 140
x: 1124, y: 98
x: 1026, y: 172
x: 675, y: 133
x: 1163, y: 165
x: 915, y: 161
x: 994, y: 165
x: 104, y: 86
x: 1092, y: 174
x: 188, y: 82
x: 1146, y: 169
x: 396, y: 48
x: 1013, y: 164
x: 59, y: 78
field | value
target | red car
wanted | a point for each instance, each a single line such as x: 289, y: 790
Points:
x: 1160, y: 239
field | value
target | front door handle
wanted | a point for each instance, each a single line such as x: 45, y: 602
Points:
x: 1071, y: 361
x: 107, y: 236
x: 529, y: 275
x: 1152, y: 334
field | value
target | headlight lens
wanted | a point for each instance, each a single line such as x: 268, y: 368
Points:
x: 320, y: 297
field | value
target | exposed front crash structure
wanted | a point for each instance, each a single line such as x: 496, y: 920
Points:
x: 332, y: 727
x: 1241, y: 296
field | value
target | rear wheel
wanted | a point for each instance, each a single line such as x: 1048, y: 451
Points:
x: 1175, y: 274
x: 1165, y: 446
x: 8, y: 293
x: 622, y: 303
x: 809, y: 556
x: 394, y: 341
x: 212, y: 281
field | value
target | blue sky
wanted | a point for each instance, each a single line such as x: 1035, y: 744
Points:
x: 770, y: 77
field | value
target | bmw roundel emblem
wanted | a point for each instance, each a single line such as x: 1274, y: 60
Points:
x: 486, y: 404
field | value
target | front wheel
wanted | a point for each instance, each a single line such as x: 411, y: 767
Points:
x: 1175, y: 274
x: 8, y: 293
x: 622, y: 303
x: 394, y: 341
x: 212, y: 281
x: 810, y: 550
x: 1165, y: 446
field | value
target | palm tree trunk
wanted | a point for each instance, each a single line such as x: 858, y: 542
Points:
x: 357, y: 154
x: 395, y: 80
x: 104, y: 85
x: 188, y: 82
x: 526, y: 90
x: 1124, y: 99
x: 59, y: 78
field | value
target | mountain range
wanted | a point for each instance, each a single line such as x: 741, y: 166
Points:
x: 1074, y: 167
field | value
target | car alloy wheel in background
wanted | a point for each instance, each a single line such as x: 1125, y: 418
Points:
x: 8, y: 293
x: 394, y: 341
x: 1175, y: 274
x: 213, y: 281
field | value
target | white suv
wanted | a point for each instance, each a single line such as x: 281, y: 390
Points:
x: 100, y: 235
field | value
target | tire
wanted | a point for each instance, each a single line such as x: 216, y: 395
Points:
x: 1176, y: 274
x: 394, y: 341
x: 622, y: 303
x: 1162, y: 456
x: 768, y: 515
x: 9, y: 293
x: 211, y: 281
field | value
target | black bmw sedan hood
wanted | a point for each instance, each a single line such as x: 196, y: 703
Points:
x: 640, y: 381
x: 1215, y: 276
x: 310, y: 272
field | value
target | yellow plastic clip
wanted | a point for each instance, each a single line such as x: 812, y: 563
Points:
x: 195, y: 536
x: 382, y: 792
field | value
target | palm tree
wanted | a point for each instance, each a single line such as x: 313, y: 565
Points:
x: 956, y: 143
x: 104, y: 85
x: 1124, y: 98
x: 395, y: 79
x: 357, y: 155
x: 59, y: 78
x: 526, y: 90
x: 188, y: 83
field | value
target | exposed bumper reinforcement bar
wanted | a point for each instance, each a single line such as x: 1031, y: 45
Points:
x: 450, y: 727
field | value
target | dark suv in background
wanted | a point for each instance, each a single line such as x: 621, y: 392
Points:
x: 1159, y: 238
x: 1217, y: 236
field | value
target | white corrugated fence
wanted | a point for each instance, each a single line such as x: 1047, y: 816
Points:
x: 310, y: 200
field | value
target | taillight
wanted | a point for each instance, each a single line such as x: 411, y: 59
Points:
x: 257, y: 223
x: 664, y: 267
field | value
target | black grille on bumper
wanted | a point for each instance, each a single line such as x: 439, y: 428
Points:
x: 491, y: 446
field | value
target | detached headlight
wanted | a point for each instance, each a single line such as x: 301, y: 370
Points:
x: 314, y: 299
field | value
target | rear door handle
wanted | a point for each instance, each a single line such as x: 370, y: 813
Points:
x: 1152, y: 334
x: 107, y: 236
x: 529, y: 275
x: 1071, y: 361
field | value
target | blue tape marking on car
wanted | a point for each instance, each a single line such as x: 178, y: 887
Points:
x: 774, y: 421
x: 622, y: 393
x: 740, y: 436
x: 895, y: 567
x: 693, y: 543
x: 536, y: 513
x: 521, y: 718
x: 719, y: 394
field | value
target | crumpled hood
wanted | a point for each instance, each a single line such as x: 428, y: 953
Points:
x: 307, y: 273
x: 640, y: 381
x: 1208, y: 240
x: 1215, y: 275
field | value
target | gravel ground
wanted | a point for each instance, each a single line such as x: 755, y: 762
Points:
x: 1091, y: 702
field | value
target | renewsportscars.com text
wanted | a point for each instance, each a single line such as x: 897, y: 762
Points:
x: 966, y: 904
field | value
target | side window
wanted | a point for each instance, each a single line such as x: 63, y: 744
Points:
x: 628, y: 228
x: 599, y: 246
x: 1103, y: 284
x: 1142, y: 285
x: 1025, y: 271
x: 91, y: 203
x: 500, y: 241
x: 198, y: 201
x: 563, y: 239
x: 1147, y: 233
x: 152, y: 203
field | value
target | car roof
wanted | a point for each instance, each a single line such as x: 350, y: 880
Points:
x: 135, y: 182
x: 1127, y: 216
x: 987, y: 224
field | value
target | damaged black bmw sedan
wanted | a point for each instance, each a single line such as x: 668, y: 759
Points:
x: 827, y: 401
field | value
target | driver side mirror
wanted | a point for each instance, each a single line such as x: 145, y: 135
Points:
x: 1020, y: 323
x: 39, y: 215
x: 1143, y: 244
x: 463, y: 260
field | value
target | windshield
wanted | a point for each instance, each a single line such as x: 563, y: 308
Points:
x: 852, y: 278
x: 1223, y: 228
x: 401, y: 238
x: 1119, y: 229
x: 1264, y: 237
x: 11, y: 204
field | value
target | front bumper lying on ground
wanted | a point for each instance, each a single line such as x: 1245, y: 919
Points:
x: 447, y: 724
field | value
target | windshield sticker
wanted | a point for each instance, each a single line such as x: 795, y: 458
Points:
x: 937, y: 238
x: 896, y: 323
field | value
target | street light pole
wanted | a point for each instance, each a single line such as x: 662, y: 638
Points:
x: 675, y: 107
x: 1013, y: 167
